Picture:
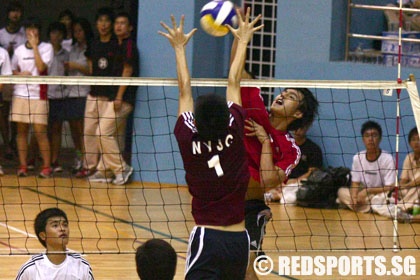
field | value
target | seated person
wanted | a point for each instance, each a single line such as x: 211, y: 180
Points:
x: 373, y: 174
x: 410, y: 179
x: 411, y: 21
x: 311, y: 159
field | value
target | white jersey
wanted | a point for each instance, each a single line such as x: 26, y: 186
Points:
x: 77, y: 55
x: 39, y: 267
x: 378, y: 173
x: 57, y: 69
x: 12, y: 39
x: 5, y: 67
x: 23, y: 60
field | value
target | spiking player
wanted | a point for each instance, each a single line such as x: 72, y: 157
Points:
x: 210, y: 138
x: 272, y: 151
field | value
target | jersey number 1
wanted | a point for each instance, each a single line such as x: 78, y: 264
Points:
x: 214, y: 162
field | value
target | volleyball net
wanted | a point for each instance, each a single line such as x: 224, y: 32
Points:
x: 105, y: 218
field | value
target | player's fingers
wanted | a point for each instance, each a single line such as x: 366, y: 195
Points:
x: 163, y: 34
x: 189, y: 35
x: 181, y: 22
x: 248, y: 12
x: 239, y: 14
x: 173, y: 21
x: 255, y: 20
x: 258, y: 27
x: 164, y: 25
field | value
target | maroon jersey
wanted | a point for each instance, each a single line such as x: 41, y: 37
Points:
x: 216, y: 173
x: 286, y: 152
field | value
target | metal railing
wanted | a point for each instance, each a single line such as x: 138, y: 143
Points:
x: 351, y: 6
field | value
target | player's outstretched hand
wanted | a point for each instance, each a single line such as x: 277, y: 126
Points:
x: 245, y: 28
x: 176, y: 35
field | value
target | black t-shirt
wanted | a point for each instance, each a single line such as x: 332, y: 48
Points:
x: 102, y: 55
x: 128, y: 53
x: 311, y: 156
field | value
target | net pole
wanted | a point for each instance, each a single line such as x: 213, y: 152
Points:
x: 397, y: 132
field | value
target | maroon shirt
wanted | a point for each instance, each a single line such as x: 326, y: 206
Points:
x: 216, y: 173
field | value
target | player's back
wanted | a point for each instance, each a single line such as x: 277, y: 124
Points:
x: 216, y: 172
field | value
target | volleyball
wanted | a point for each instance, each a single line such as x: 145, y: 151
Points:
x: 215, y: 14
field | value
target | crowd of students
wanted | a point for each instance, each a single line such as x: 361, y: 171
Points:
x: 71, y: 50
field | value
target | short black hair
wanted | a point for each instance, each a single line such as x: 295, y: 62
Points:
x: 14, y: 6
x: 57, y: 26
x: 371, y: 125
x: 211, y: 116
x: 32, y: 22
x: 66, y: 13
x: 105, y: 11
x: 125, y: 15
x: 413, y: 132
x: 308, y: 107
x: 156, y: 260
x: 42, y: 219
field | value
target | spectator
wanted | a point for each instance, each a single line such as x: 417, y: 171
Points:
x: 30, y: 105
x: 409, y: 192
x: 56, y: 93
x: 66, y: 17
x: 127, y: 66
x: 5, y: 69
x: 52, y: 229
x: 11, y: 36
x: 156, y: 260
x: 411, y: 21
x: 410, y: 175
x: 373, y: 173
x: 103, y: 108
x: 217, y: 174
x: 310, y: 160
x: 75, y: 102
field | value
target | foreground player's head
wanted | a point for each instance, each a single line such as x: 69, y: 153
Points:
x: 211, y: 117
x: 156, y: 259
x: 51, y: 228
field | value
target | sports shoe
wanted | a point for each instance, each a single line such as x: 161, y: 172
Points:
x: 121, y: 179
x: 83, y: 173
x: 404, y: 217
x: 99, y: 177
x: 46, y: 172
x: 22, y: 171
x: 77, y: 165
x: 56, y: 167
x: 31, y: 164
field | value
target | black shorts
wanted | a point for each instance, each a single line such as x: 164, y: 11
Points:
x: 255, y: 222
x: 67, y: 109
x: 217, y: 254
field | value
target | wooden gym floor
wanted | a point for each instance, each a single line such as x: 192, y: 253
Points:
x: 114, y: 220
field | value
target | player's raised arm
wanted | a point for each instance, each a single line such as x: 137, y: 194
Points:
x: 178, y: 41
x: 243, y: 35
